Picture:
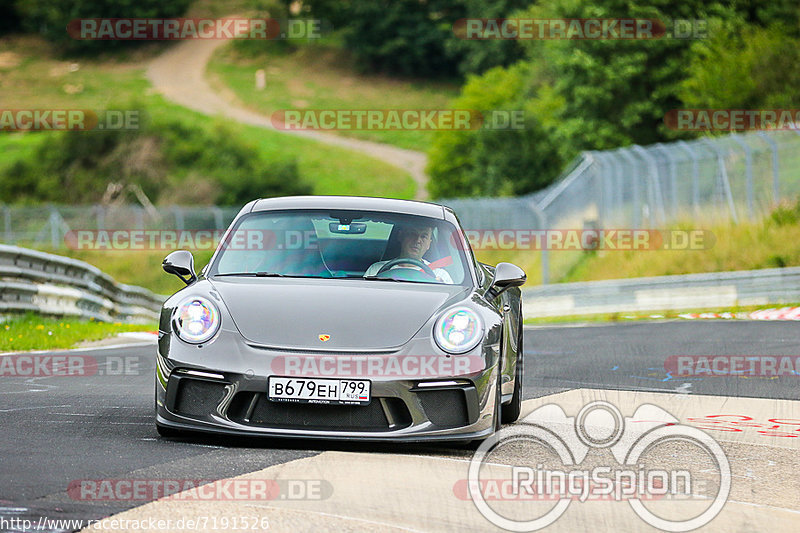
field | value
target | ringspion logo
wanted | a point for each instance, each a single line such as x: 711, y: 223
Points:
x: 695, y: 490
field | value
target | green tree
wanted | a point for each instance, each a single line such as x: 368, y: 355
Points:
x: 743, y: 67
x: 495, y: 162
x: 478, y: 56
x: 170, y: 161
x: 50, y: 17
x: 416, y: 37
x: 405, y: 37
x: 601, y: 94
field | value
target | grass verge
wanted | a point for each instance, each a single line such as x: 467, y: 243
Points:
x: 319, y: 76
x: 32, y: 332
x: 142, y: 267
x: 649, y: 315
x: 32, y: 78
x: 772, y: 242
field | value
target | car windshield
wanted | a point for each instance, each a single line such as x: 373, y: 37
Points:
x: 373, y: 246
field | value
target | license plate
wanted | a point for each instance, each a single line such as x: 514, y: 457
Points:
x: 324, y: 391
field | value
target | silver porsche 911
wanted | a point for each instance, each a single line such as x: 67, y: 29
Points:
x: 341, y: 318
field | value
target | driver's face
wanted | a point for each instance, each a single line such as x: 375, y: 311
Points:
x: 415, y: 242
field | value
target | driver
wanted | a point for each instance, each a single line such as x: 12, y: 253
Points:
x: 414, y: 242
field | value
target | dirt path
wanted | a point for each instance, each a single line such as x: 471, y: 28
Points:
x: 179, y: 74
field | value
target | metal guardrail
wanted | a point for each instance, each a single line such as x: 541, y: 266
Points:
x: 712, y: 179
x: 684, y: 292
x: 54, y: 285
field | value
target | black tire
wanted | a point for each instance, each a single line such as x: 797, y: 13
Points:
x: 510, y: 412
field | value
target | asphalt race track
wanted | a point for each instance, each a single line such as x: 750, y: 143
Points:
x: 59, y: 430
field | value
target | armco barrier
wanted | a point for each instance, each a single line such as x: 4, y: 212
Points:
x: 54, y: 285
x: 690, y: 291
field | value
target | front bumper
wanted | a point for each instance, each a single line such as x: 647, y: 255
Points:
x: 222, y: 388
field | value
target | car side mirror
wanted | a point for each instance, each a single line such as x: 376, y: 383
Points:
x: 506, y: 275
x: 180, y: 263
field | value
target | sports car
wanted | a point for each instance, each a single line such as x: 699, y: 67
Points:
x: 341, y: 318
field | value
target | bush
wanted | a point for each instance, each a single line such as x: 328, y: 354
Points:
x: 415, y: 37
x: 171, y: 162
x: 405, y: 37
x: 743, y: 67
x: 601, y: 94
x: 478, y: 56
x: 495, y: 162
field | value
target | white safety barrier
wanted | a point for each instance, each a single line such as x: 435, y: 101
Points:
x: 685, y: 292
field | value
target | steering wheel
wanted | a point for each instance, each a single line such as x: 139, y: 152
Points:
x: 401, y: 260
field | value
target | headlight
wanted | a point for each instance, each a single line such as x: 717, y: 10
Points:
x: 196, y: 320
x: 458, y: 330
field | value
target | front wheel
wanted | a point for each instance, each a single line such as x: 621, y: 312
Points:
x: 510, y: 412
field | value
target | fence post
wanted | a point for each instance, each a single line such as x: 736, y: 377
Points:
x: 178, y: 213
x: 542, y: 218
x: 695, y: 173
x: 7, y: 224
x: 595, y: 165
x: 218, y: 219
x: 608, y: 189
x: 101, y: 217
x: 658, y: 199
x: 54, y: 227
x: 776, y: 191
x: 723, y: 174
x: 620, y: 191
x: 673, y: 179
x: 636, y: 200
x: 748, y: 158
x: 139, y: 217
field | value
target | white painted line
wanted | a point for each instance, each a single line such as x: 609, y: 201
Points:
x: 30, y: 408
x: 92, y: 349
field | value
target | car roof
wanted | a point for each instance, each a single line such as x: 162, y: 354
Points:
x: 364, y: 203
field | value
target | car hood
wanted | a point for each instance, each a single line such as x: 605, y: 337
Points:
x: 357, y: 315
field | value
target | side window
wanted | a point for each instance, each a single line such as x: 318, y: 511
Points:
x: 447, y: 244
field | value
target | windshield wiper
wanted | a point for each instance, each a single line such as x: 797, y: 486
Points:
x: 376, y: 278
x: 253, y: 274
